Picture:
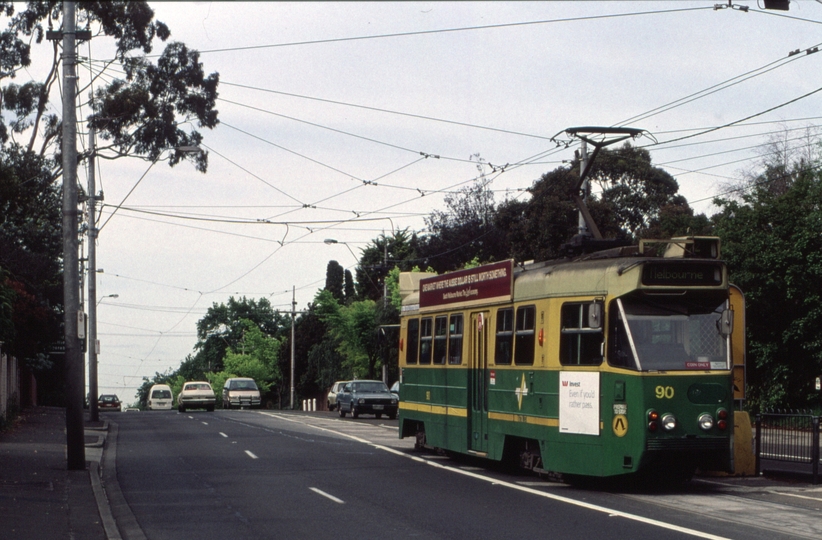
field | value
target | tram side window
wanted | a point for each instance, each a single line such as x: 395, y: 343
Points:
x: 413, y: 341
x: 426, y: 327
x: 505, y: 336
x: 580, y: 345
x: 524, y: 336
x: 440, y: 339
x: 455, y: 340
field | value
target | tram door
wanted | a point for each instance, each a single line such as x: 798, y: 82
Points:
x: 478, y: 383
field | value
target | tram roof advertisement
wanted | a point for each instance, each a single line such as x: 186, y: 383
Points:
x: 483, y: 283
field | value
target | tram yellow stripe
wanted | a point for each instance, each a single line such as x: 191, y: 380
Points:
x: 522, y: 418
x: 435, y: 409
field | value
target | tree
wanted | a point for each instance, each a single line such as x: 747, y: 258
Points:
x: 355, y: 327
x: 771, y: 241
x: 467, y: 229
x: 379, y: 256
x: 635, y: 200
x: 223, y: 328
x: 335, y: 280
x: 256, y: 357
x: 154, y: 107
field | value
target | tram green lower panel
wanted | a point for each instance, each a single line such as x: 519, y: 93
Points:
x: 522, y: 407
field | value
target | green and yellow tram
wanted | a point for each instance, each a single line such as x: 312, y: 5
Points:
x: 615, y: 363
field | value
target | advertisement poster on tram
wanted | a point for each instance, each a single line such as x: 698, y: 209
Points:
x: 579, y: 402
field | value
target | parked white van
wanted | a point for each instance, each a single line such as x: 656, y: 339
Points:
x: 160, y: 398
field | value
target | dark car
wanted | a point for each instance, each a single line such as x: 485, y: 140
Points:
x: 367, y: 397
x: 108, y: 402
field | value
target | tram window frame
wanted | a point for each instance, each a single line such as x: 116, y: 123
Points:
x: 504, y: 338
x: 620, y: 352
x: 426, y: 339
x: 455, y: 333
x: 579, y: 345
x: 413, y: 339
x: 524, y: 335
x: 440, y: 339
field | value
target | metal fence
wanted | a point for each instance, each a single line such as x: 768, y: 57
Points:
x: 786, y: 436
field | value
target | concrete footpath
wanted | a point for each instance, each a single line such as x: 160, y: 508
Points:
x: 39, y: 498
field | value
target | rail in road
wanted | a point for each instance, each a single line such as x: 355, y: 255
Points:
x: 777, y: 508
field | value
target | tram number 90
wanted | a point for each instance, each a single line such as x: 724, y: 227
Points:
x: 664, y: 392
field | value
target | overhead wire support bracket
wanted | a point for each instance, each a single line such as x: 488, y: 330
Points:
x: 731, y: 5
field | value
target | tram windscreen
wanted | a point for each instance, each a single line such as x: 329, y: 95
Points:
x: 665, y: 336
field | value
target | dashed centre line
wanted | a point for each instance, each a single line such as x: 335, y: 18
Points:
x: 327, y: 495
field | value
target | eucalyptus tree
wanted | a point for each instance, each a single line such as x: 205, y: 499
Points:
x: 157, y: 104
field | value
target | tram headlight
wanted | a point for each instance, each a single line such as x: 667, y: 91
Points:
x: 706, y: 421
x: 668, y: 422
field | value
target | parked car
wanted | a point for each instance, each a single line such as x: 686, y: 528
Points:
x: 196, y: 395
x: 240, y: 392
x: 336, y: 388
x: 109, y: 402
x: 367, y: 397
x: 160, y: 398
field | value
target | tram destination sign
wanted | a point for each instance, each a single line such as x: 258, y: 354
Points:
x: 682, y: 274
x: 483, y: 283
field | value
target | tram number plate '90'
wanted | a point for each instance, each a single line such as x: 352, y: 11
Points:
x: 664, y: 392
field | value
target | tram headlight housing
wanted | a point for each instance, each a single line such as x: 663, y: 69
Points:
x: 668, y: 422
x: 706, y: 421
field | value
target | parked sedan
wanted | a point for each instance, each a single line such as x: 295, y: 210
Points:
x: 336, y: 388
x: 367, y: 397
x: 196, y: 395
x: 108, y: 402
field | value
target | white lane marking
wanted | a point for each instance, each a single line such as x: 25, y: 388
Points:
x: 205, y: 423
x: 559, y: 498
x: 326, y: 495
x: 251, y: 454
x: 224, y: 435
x: 795, y: 495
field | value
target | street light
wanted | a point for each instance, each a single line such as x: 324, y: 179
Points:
x: 108, y: 296
x: 331, y: 241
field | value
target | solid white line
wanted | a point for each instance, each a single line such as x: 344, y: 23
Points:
x: 326, y: 495
x: 251, y: 454
x: 558, y: 498
x: 224, y: 435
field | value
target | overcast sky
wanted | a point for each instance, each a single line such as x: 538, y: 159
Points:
x: 348, y: 120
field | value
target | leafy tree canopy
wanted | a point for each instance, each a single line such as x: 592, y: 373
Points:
x: 771, y: 241
x: 256, y: 356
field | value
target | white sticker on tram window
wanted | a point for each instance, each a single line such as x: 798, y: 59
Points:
x: 579, y: 402
x: 719, y: 365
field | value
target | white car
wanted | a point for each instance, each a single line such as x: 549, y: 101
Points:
x: 336, y: 388
x: 196, y: 395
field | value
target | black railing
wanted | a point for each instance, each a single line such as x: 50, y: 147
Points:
x: 788, y: 437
